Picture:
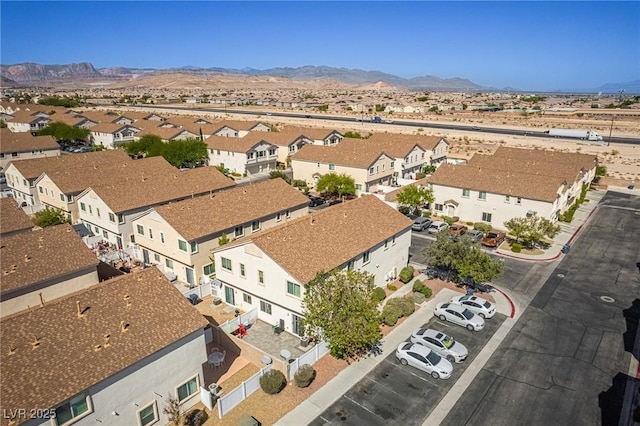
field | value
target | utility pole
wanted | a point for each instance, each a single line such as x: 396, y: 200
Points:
x: 611, y: 129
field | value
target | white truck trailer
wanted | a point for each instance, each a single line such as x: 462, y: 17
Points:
x: 587, y: 135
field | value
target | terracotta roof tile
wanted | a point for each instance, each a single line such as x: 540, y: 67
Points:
x: 66, y: 361
x: 331, y: 237
x: 400, y: 145
x: 236, y: 144
x: 197, y: 217
x: 25, y: 142
x: 12, y: 217
x: 349, y: 152
x: 40, y: 255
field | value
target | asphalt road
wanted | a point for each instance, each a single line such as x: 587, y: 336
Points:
x: 564, y: 362
x: 393, y: 394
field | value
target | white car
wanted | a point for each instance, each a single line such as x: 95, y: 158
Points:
x: 477, y: 305
x: 438, y: 227
x: 424, y: 359
x: 440, y: 343
x: 460, y: 315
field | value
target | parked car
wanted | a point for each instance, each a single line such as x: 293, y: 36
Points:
x: 334, y: 201
x: 439, y: 272
x: 477, y: 305
x: 315, y: 201
x: 438, y: 227
x: 424, y: 359
x: 475, y: 235
x: 457, y: 230
x: 421, y: 223
x: 459, y: 315
x: 476, y: 286
x: 443, y: 344
x: 493, y: 238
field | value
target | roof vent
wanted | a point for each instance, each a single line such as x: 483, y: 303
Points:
x: 96, y: 348
x: 127, y: 300
x: 12, y: 350
x: 312, y: 220
x: 27, y: 258
x: 106, y: 343
x: 41, y: 299
x: 124, y: 326
x: 35, y: 343
x: 80, y: 311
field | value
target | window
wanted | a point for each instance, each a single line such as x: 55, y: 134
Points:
x: 293, y: 289
x: 383, y: 167
x: 156, y: 257
x: 247, y: 298
x: 83, y: 207
x: 140, y: 229
x: 366, y: 257
x: 62, y: 197
x: 465, y: 193
x: 98, y: 211
x: 287, y: 214
x: 261, y: 277
x: 507, y: 199
x: 318, y: 165
x: 226, y: 263
x: 278, y: 217
x: 439, y: 207
x: 162, y: 237
x: 272, y: 151
x: 261, y: 154
x: 69, y: 198
x: 150, y: 233
x: 350, y: 265
x: 518, y: 201
x: 358, y: 187
x: 169, y: 263
x: 105, y: 234
x: 112, y: 218
x: 255, y: 226
x: 265, y: 307
x: 482, y: 195
x: 386, y: 244
x: 40, y: 189
x: 292, y: 148
x: 186, y: 390
x: 486, y: 217
x: 332, y: 167
x: 182, y: 245
x: 250, y: 155
x: 148, y: 415
x: 393, y: 240
x: 371, y: 171
x: 193, y: 245
x: 97, y: 230
x: 243, y: 274
x: 121, y: 218
x: 209, y: 269
x: 73, y: 409
x: 90, y: 210
x: 393, y: 164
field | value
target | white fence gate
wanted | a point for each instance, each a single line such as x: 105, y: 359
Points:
x: 239, y: 394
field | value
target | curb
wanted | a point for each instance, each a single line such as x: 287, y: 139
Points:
x: 513, y: 306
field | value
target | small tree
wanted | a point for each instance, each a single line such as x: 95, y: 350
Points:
x: 278, y: 174
x: 336, y: 185
x: 304, y: 376
x: 173, y: 410
x: 531, y: 229
x: 340, y: 308
x: 50, y: 217
x: 415, y: 196
x: 273, y: 381
x: 224, y: 239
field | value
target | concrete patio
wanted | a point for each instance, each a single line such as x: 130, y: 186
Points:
x: 262, y: 336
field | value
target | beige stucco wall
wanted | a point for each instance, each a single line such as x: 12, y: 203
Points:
x: 7, y: 157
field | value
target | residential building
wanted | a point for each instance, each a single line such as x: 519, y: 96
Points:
x: 43, y: 265
x: 20, y: 146
x: 511, y: 183
x: 270, y: 270
x: 249, y: 154
x: 111, y: 354
x: 368, y: 166
x: 112, y: 135
x: 13, y: 220
x: 180, y: 236
x: 28, y: 120
x: 22, y: 175
x: 238, y: 129
x: 108, y: 209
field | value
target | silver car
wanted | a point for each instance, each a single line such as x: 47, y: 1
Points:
x: 459, y: 315
x: 424, y: 359
x: 438, y: 227
x: 475, y: 235
x: 444, y: 345
x: 477, y: 305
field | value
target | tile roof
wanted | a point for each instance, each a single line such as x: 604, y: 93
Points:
x: 201, y: 216
x: 110, y: 127
x: 538, y: 157
x: 12, y: 217
x: 136, y: 189
x: 331, y: 237
x: 25, y: 142
x: 45, y: 254
x: 67, y: 361
x: 164, y: 133
x: 237, y: 124
x: 32, y: 168
x: 399, y: 145
x: 349, y: 152
x: 236, y: 144
x: 26, y: 116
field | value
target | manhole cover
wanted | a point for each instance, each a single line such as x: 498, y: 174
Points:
x: 607, y: 299
x: 560, y: 275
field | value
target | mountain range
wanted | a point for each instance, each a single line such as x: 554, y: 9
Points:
x: 32, y: 74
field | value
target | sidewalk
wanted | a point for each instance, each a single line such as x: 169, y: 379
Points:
x: 568, y: 231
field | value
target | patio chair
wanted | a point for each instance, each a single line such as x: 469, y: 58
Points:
x: 214, y: 349
x: 224, y: 355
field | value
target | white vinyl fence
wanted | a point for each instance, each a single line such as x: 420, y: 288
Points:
x: 248, y: 317
x: 310, y: 357
x: 239, y: 394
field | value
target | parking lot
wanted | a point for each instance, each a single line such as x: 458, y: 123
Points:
x: 402, y: 395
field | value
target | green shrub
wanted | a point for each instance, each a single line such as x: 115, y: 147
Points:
x: 426, y: 213
x: 421, y: 175
x: 392, y: 287
x: 406, y: 305
x: 273, y: 381
x: 426, y: 291
x: 406, y: 274
x: 418, y: 285
x: 390, y: 313
x: 456, y: 219
x: 516, y: 247
x: 448, y: 220
x: 481, y: 226
x: 379, y: 294
x: 469, y: 223
x: 195, y: 418
x: 304, y: 376
x: 404, y: 210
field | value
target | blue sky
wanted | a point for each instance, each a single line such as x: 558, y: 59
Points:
x: 524, y: 45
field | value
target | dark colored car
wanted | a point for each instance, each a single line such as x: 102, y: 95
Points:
x: 493, y: 239
x: 315, y: 201
x: 334, y: 201
x: 476, y: 286
x: 439, y: 272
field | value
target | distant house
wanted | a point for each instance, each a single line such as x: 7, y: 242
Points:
x: 43, y: 265
x: 270, y: 270
x: 239, y: 129
x: 111, y: 135
x: 291, y: 139
x: 112, y: 353
x: 13, y: 220
x: 20, y: 146
x: 179, y: 237
x: 249, y: 154
x: 28, y: 121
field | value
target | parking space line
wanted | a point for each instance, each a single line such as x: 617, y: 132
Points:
x: 362, y: 406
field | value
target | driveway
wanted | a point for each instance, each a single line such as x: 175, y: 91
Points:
x: 402, y: 395
x: 566, y: 360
